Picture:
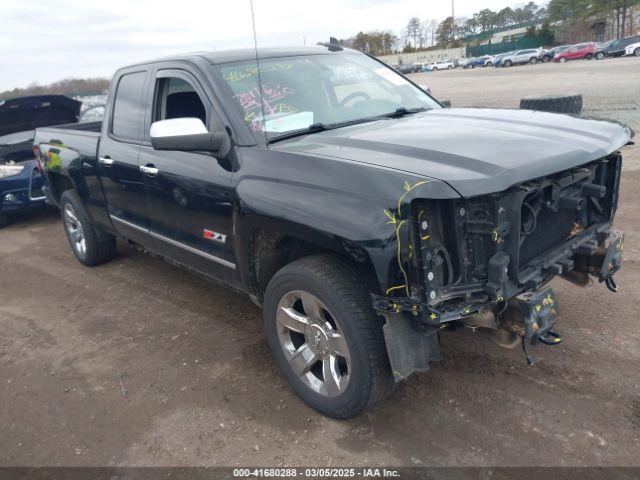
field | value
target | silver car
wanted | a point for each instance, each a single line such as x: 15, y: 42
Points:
x: 521, y: 57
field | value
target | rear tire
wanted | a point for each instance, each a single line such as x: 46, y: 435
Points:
x: 327, y: 301
x: 89, y: 247
x: 589, y: 57
x: 533, y: 61
x: 599, y: 56
x: 563, y: 59
x: 553, y: 103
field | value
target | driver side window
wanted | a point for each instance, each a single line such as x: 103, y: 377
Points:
x: 176, y: 98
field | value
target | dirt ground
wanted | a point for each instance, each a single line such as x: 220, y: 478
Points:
x: 202, y: 388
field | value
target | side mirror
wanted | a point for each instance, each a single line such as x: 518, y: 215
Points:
x: 188, y: 135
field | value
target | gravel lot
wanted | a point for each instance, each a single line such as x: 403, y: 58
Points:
x: 203, y: 390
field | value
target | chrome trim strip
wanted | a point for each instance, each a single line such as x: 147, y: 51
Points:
x: 193, y: 250
x: 189, y: 249
x: 129, y: 224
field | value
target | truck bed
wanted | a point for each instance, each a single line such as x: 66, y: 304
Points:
x: 67, y: 142
x: 95, y: 127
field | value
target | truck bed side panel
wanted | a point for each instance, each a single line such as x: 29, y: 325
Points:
x: 73, y: 154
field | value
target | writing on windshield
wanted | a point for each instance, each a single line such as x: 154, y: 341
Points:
x: 301, y: 91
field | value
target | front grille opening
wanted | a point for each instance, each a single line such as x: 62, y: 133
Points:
x: 548, y: 231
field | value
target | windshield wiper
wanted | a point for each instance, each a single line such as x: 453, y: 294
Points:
x: 313, y: 128
x: 320, y: 127
x: 402, y: 111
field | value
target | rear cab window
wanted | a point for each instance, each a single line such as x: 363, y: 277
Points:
x: 128, y: 106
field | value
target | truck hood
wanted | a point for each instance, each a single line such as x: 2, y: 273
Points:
x: 476, y: 151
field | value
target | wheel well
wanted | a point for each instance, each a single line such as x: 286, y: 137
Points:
x: 271, y: 251
x: 59, y: 184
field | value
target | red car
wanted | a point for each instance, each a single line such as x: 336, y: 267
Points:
x: 580, y: 51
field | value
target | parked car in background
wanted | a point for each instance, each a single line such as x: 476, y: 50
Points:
x: 406, y: 68
x: 497, y: 60
x: 92, y: 114
x: 521, y: 57
x: 581, y: 51
x: 617, y: 48
x: 548, y: 55
x: 21, y: 178
x: 601, y: 50
x: 633, y: 49
x: 484, y: 61
x: 489, y: 61
x: 442, y: 65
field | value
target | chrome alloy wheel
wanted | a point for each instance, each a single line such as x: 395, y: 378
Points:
x: 74, y: 230
x: 313, y: 343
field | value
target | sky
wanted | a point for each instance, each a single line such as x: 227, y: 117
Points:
x: 43, y: 41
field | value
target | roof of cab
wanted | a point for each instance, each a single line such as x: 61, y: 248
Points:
x: 244, y: 54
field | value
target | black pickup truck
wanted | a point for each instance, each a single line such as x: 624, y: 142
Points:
x: 357, y: 211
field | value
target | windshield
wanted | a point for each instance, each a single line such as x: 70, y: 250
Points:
x: 303, y: 91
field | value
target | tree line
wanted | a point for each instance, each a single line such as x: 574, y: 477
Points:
x: 69, y: 86
x: 419, y: 34
x: 576, y: 11
x: 423, y: 34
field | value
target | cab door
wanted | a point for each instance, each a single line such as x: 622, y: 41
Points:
x: 188, y: 194
x: 118, y: 155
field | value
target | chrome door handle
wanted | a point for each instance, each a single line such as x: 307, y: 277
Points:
x: 106, y: 161
x: 153, y: 171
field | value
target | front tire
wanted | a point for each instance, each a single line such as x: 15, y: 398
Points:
x: 87, y: 245
x: 508, y: 63
x: 636, y: 52
x: 3, y: 220
x: 326, y: 337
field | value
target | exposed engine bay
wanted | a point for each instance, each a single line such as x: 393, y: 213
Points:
x: 494, y: 255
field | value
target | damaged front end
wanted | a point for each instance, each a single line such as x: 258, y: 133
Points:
x: 495, y: 255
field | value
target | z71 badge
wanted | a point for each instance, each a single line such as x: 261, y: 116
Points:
x: 215, y: 236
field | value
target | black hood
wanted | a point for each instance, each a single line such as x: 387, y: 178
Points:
x: 476, y: 151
